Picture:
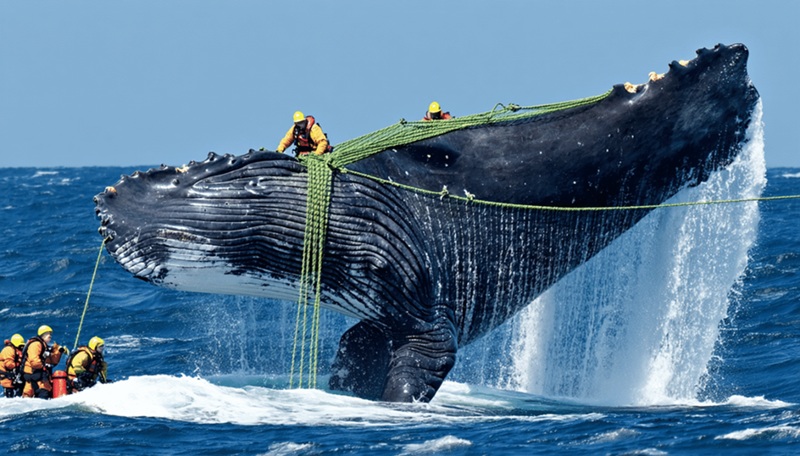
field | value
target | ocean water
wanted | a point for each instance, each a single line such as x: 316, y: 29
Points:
x: 682, y: 338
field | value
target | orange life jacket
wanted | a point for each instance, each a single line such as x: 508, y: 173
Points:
x: 46, y: 356
x: 445, y: 116
x: 9, y: 374
x: 92, y: 369
x: 302, y: 138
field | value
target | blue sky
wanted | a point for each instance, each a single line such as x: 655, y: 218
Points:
x: 146, y: 82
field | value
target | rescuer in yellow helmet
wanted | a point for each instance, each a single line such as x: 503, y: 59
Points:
x: 38, y: 360
x: 10, y: 361
x: 435, y: 113
x: 306, y: 135
x: 86, y: 366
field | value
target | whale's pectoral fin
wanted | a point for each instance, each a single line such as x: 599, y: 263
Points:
x: 374, y: 364
x: 362, y: 361
x: 420, y: 363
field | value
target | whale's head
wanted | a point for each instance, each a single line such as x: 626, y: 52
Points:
x: 184, y: 227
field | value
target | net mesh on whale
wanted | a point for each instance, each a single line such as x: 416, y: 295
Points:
x: 407, y: 132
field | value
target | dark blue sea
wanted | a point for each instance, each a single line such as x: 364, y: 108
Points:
x: 683, y: 339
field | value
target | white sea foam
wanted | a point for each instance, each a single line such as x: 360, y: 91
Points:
x: 288, y: 449
x: 36, y: 313
x: 126, y: 342
x: 446, y: 443
x: 766, y: 433
x: 757, y: 402
x: 196, y: 400
x: 192, y: 399
x: 45, y: 173
x: 647, y: 452
x: 614, y: 436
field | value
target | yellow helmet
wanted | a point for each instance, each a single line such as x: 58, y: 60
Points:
x: 44, y: 329
x: 434, y: 108
x: 94, y: 342
x: 298, y: 116
x: 17, y: 341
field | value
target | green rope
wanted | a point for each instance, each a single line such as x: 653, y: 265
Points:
x: 471, y: 199
x: 91, y: 284
x: 323, y: 175
x: 320, y: 179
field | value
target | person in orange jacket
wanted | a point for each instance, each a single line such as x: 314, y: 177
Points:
x: 435, y: 113
x: 306, y: 135
x: 86, y: 366
x: 10, y: 360
x: 38, y: 359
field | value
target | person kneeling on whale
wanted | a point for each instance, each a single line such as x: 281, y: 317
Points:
x: 86, y: 366
x: 435, y: 113
x: 10, y: 361
x: 38, y: 360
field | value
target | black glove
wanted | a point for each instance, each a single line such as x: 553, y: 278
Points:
x: 63, y: 350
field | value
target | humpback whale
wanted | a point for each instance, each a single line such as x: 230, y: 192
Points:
x: 423, y: 272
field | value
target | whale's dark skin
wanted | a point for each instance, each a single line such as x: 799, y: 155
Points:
x: 422, y: 273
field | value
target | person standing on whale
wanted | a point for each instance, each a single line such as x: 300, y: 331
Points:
x: 306, y: 135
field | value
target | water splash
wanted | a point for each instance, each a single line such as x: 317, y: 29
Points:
x: 255, y: 336
x: 637, y: 324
